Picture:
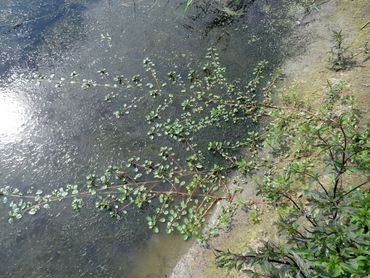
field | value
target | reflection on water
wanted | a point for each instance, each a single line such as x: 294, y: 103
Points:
x: 12, y: 115
x: 51, y: 136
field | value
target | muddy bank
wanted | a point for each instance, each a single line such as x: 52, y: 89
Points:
x: 306, y: 74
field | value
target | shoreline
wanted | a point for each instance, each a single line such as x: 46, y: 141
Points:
x: 306, y: 73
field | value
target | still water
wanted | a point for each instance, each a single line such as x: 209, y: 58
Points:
x: 50, y: 136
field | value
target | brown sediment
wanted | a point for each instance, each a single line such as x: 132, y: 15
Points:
x: 307, y: 76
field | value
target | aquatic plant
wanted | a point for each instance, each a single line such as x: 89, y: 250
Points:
x: 184, y: 187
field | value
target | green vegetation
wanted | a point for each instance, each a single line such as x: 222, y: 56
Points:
x: 341, y: 57
x: 182, y: 188
x: 318, y: 151
x: 319, y: 192
x: 311, y: 164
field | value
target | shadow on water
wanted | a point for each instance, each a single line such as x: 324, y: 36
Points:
x: 25, y: 25
x: 55, y: 136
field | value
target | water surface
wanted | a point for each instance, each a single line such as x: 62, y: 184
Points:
x: 50, y: 136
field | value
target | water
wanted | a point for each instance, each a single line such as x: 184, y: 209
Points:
x: 51, y: 136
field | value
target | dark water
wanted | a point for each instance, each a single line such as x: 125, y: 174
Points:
x: 52, y: 136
